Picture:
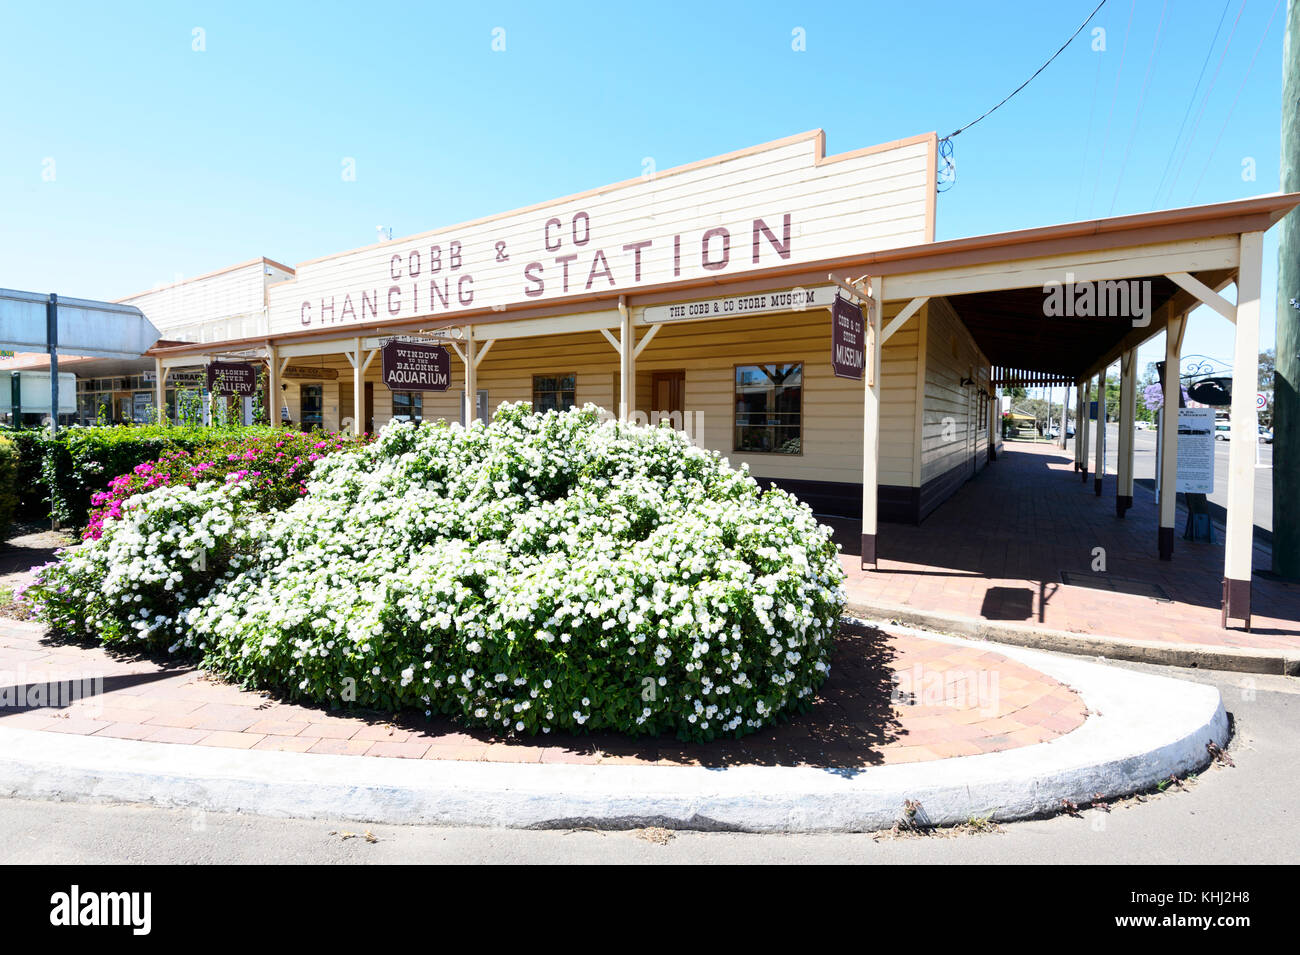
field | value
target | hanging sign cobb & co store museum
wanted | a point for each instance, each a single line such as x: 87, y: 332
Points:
x: 848, y: 340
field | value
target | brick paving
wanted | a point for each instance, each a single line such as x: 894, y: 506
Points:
x: 890, y: 699
x: 26, y: 548
x: 997, y: 548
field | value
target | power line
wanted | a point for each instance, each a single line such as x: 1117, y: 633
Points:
x: 1208, y: 90
x: 1173, y: 150
x: 1146, y: 78
x: 1235, y: 99
x: 1092, y: 111
x: 1031, y: 78
x: 1114, y: 95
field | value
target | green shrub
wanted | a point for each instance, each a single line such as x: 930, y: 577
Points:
x: 33, y: 497
x: 9, y: 462
x: 275, y: 463
x: 160, y: 557
x: 66, y: 472
x: 540, y: 573
x: 81, y: 461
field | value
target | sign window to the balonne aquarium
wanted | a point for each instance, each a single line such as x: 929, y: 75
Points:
x: 769, y: 408
x: 554, y: 392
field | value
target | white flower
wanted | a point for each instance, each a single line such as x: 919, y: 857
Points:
x: 564, y: 556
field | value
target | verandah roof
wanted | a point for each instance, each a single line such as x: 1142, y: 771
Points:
x: 1015, y: 330
x: 1082, y: 345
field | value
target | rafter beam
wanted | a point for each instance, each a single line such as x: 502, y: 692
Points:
x: 640, y: 346
x: 1207, y: 296
x: 899, y: 320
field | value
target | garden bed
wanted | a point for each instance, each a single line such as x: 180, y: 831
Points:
x: 541, y: 573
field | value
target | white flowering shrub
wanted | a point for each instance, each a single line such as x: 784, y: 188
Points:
x: 542, y: 572
x: 135, y: 583
x: 539, y: 573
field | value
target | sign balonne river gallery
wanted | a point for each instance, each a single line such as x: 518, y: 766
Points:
x: 782, y: 203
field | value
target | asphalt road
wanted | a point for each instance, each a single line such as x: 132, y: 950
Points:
x: 1247, y: 813
x: 1144, y: 468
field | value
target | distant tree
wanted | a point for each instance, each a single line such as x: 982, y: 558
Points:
x: 1044, y: 412
x: 1149, y: 377
x: 1267, y: 359
x: 1112, y: 399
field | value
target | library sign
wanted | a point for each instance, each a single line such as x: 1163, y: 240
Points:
x: 415, y: 366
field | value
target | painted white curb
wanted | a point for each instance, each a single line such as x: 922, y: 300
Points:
x: 1199, y: 655
x: 1141, y: 729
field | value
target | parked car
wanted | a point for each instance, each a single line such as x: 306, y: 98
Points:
x: 1266, y: 435
x: 1142, y: 425
x: 1223, y: 432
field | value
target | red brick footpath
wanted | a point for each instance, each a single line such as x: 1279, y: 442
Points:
x: 1002, y: 549
x: 890, y: 699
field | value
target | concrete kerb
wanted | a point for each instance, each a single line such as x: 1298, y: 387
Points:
x: 1141, y: 729
x: 1191, y: 655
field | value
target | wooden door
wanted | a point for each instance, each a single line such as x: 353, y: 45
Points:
x: 668, y: 395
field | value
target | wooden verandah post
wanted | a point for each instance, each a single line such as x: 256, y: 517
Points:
x: 1127, y: 411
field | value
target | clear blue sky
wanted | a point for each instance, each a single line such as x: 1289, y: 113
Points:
x: 170, y: 162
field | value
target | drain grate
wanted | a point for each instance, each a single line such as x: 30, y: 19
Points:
x: 1118, y: 585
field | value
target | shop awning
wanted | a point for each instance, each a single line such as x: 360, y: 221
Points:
x: 84, y: 327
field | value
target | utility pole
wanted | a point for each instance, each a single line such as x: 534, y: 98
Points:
x: 52, y: 344
x: 1065, y: 415
x: 1286, y: 380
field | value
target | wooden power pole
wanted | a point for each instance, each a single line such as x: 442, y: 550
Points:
x: 1286, y: 387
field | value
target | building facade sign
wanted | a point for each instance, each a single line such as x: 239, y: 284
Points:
x: 232, y: 378
x: 738, y: 306
x: 414, y: 366
x: 848, y: 339
x: 310, y: 372
x: 1196, y: 450
x: 782, y: 203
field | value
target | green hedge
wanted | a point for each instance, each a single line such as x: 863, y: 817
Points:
x: 58, y: 475
x: 8, y: 483
x: 32, y: 500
